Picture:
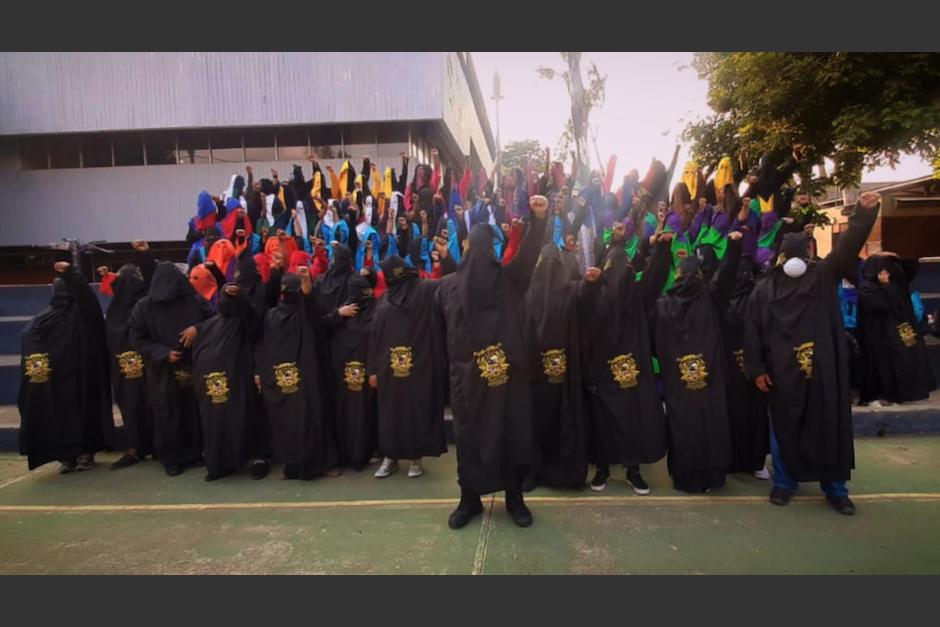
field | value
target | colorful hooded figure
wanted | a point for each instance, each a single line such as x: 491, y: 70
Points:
x: 655, y: 182
x: 206, y: 212
x: 235, y: 191
x: 204, y: 282
x: 223, y: 254
x: 690, y: 176
x: 724, y: 174
x: 292, y: 227
x: 368, y: 239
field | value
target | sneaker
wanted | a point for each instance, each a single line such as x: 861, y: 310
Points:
x: 67, y: 467
x: 517, y: 509
x: 842, y: 504
x: 416, y: 469
x: 174, y: 470
x: 126, y: 460
x: 635, y: 479
x: 374, y: 459
x: 780, y: 496
x: 86, y: 462
x: 763, y: 474
x: 466, y: 510
x: 599, y: 482
x: 259, y: 469
x: 215, y: 476
x: 388, y: 467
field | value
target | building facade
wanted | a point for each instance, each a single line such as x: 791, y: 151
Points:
x: 116, y: 146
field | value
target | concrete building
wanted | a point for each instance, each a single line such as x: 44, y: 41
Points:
x: 116, y: 146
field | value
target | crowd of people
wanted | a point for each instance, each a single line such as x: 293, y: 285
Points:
x: 325, y: 323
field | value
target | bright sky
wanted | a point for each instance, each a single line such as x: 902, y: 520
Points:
x: 650, y: 98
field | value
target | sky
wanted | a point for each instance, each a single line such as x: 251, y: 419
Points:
x: 650, y: 96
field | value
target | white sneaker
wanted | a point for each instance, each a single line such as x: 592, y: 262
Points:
x: 388, y: 467
x: 416, y: 469
x: 374, y: 460
x: 763, y: 474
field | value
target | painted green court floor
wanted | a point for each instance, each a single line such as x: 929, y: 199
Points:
x: 138, y: 520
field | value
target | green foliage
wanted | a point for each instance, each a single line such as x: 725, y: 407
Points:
x: 858, y: 109
x: 517, y: 154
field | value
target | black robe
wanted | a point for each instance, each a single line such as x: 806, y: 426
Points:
x: 406, y: 354
x: 65, y: 395
x: 156, y: 322
x: 128, y: 369
x: 251, y: 284
x: 355, y: 401
x: 490, y: 394
x: 747, y: 405
x: 795, y: 335
x: 627, y: 422
x: 691, y: 352
x: 288, y: 363
x: 900, y: 368
x: 223, y: 371
x: 555, y: 313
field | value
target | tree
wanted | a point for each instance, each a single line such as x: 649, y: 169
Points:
x: 857, y: 109
x: 517, y: 154
x: 582, y: 102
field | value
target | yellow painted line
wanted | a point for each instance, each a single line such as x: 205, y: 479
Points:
x: 560, y: 501
x: 486, y: 529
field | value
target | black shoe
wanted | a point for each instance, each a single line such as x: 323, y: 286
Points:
x: 780, y: 496
x: 635, y: 479
x: 67, y: 466
x: 517, y: 509
x: 126, y: 460
x: 259, y: 469
x: 842, y: 504
x: 466, y: 510
x: 599, y: 482
x: 529, y: 483
x: 216, y: 476
x: 174, y: 471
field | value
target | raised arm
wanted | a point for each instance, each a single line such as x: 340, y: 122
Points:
x: 519, y: 271
x: 845, y: 253
x: 723, y: 283
x: 656, y: 274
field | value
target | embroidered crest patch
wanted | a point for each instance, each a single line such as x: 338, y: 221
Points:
x: 287, y: 377
x: 131, y: 364
x: 804, y: 357
x: 693, y: 372
x: 908, y: 334
x: 217, y: 387
x: 400, y: 360
x: 354, y: 374
x: 493, y: 365
x: 37, y: 367
x: 555, y: 365
x: 624, y: 370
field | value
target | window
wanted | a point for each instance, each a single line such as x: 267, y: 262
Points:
x: 227, y: 147
x: 326, y: 142
x: 292, y: 145
x: 194, y: 147
x: 161, y: 148
x: 33, y: 155
x: 259, y: 146
x: 129, y: 149
x: 359, y: 141
x: 64, y: 151
x: 96, y: 151
x: 393, y: 140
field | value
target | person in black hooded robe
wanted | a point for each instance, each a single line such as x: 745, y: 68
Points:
x: 626, y: 417
x: 490, y: 394
x: 355, y: 402
x: 128, y: 378
x: 795, y: 351
x: 65, y: 394
x: 162, y: 329
x: 223, y: 371
x: 747, y: 406
x: 289, y: 372
x: 407, y: 367
x: 899, y: 370
x: 687, y: 340
x: 556, y: 309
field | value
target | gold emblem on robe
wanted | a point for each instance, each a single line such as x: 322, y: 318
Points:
x: 804, y: 357
x: 287, y: 377
x: 908, y: 334
x: 37, y: 367
x: 693, y: 372
x: 131, y: 364
x: 400, y: 360
x: 493, y: 365
x: 555, y: 365
x: 354, y: 374
x: 183, y: 377
x: 217, y: 387
x: 624, y: 370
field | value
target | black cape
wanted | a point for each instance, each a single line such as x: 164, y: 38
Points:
x: 627, y: 422
x: 223, y: 371
x: 355, y: 401
x: 156, y: 322
x: 406, y: 354
x: 128, y: 368
x: 65, y: 395
x: 555, y: 311
x: 490, y: 394
x: 747, y: 405
x: 288, y: 363
x: 691, y: 352
x: 795, y: 335
x: 900, y: 370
